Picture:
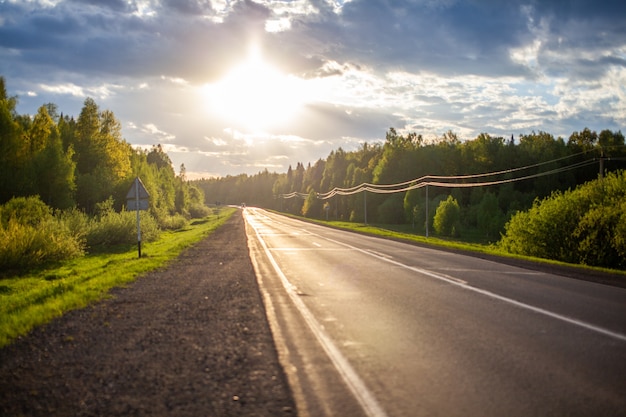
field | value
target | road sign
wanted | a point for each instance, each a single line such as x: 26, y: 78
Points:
x: 132, y: 192
x: 137, y: 199
x: 132, y: 204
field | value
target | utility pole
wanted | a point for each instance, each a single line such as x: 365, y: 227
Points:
x: 365, y: 204
x: 601, y: 163
x: 426, y: 210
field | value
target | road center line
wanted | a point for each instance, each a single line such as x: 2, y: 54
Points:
x: 366, y: 399
x: 465, y: 285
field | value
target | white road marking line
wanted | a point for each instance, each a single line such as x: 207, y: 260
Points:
x: 317, y: 244
x: 463, y: 284
x: 366, y: 399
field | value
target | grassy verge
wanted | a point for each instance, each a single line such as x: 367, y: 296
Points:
x: 605, y: 275
x: 27, y: 301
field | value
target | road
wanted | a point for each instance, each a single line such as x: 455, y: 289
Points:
x: 371, y: 327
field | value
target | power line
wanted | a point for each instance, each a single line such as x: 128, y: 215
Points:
x: 427, y: 180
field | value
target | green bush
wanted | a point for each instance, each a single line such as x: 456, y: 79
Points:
x: 586, y: 225
x: 25, y: 246
x: 199, y: 211
x: 112, y: 228
x: 26, y: 211
x: 447, y: 219
x: 75, y: 220
x: 175, y: 222
x: 391, y: 211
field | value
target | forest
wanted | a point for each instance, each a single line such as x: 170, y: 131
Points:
x: 63, y: 185
x: 470, y: 189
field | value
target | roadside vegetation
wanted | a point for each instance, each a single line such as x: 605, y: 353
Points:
x: 38, y: 296
x: 66, y: 236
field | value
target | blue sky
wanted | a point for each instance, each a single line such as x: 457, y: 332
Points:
x: 230, y: 87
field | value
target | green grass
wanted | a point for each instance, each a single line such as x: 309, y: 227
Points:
x: 30, y: 300
x: 470, y: 243
x: 402, y: 233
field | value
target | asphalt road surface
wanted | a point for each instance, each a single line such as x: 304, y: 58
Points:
x: 371, y: 327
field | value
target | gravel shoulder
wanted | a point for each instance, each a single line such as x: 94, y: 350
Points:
x: 188, y: 340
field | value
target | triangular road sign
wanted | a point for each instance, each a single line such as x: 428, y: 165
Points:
x: 132, y: 193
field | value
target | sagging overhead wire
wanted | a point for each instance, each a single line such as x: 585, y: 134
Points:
x: 428, y: 180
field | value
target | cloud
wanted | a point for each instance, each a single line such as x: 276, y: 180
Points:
x: 422, y: 65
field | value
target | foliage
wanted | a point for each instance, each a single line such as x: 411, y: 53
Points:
x: 39, y: 296
x: 80, y: 163
x: 311, y: 205
x: 27, y: 211
x: 30, y: 236
x: 447, y: 217
x: 585, y: 225
x: 113, y: 228
x: 173, y: 222
x: 489, y: 218
x: 391, y: 211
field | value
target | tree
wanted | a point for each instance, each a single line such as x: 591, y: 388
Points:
x: 12, y: 152
x: 311, y: 205
x: 55, y: 173
x: 490, y: 219
x: 447, y: 217
x: 159, y: 158
x: 102, y: 156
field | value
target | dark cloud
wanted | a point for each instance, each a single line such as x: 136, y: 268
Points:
x: 119, y: 6
x: 188, y: 7
x: 447, y: 37
x: 116, y: 43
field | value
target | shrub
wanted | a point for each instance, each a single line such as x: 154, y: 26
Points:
x: 113, y: 228
x: 489, y: 217
x: 391, y: 211
x: 25, y: 211
x: 23, y: 246
x: 585, y: 225
x: 447, y: 217
x: 175, y: 222
x: 199, y: 211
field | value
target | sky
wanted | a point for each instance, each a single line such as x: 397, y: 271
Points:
x: 239, y: 86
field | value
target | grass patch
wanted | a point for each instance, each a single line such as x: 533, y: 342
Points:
x: 33, y: 299
x: 401, y: 233
x: 396, y: 232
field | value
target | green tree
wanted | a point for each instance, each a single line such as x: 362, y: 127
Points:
x: 311, y: 205
x: 584, y: 225
x: 55, y: 172
x: 490, y: 219
x: 102, y: 156
x: 448, y: 217
x: 12, y: 150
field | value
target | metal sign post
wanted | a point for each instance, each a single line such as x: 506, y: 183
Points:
x: 137, y: 199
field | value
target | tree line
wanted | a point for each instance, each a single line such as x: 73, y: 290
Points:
x: 537, y: 173
x: 81, y: 163
x: 63, y: 185
x: 404, y: 157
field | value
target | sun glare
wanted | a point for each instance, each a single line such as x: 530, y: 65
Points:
x: 255, y: 95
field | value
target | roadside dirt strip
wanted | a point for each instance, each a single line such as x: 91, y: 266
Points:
x: 189, y: 340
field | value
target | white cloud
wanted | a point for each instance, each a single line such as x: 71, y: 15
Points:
x: 430, y: 66
x: 161, y: 136
x: 278, y: 25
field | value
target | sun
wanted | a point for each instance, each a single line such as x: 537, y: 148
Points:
x: 255, y: 95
